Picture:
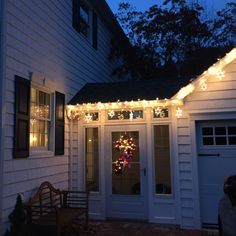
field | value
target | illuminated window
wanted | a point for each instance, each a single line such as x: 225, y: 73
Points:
x: 40, y: 119
x: 92, y: 159
x: 125, y: 115
x: 160, y: 113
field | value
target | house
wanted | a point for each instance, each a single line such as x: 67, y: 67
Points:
x: 49, y: 49
x: 153, y: 151
x: 146, y: 150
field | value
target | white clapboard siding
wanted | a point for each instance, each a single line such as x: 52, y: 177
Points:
x: 40, y: 39
x: 220, y: 96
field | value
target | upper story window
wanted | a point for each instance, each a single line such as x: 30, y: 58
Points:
x: 85, y: 21
x: 40, y: 119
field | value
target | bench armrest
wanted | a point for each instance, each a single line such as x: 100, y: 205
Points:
x: 75, y: 199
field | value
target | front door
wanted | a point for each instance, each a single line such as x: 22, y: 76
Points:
x: 126, y: 173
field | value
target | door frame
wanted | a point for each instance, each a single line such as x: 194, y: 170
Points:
x: 143, y: 197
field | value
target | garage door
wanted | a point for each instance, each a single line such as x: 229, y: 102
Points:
x: 216, y: 161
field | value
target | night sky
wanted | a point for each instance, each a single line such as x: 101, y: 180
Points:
x: 211, y: 5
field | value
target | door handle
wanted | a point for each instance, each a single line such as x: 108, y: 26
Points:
x: 144, y: 171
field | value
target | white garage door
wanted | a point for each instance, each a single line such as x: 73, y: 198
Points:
x: 216, y: 161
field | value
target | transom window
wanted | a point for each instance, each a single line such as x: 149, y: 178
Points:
x: 219, y: 135
x: 40, y: 119
x: 160, y: 113
x: 125, y: 115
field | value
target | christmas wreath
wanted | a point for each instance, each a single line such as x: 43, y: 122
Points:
x: 125, y: 144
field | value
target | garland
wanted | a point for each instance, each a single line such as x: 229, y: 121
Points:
x: 126, y: 146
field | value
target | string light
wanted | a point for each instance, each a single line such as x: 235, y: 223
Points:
x: 179, y: 112
x: 88, y: 118
x: 76, y: 111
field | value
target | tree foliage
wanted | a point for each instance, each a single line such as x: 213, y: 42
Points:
x: 173, y: 39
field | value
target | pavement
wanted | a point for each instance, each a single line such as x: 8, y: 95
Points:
x: 118, y: 228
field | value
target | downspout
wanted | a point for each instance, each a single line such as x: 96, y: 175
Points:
x: 71, y: 155
x: 2, y: 98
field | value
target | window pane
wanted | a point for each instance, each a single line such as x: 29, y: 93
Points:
x: 92, y: 159
x: 125, y: 115
x: 232, y: 140
x: 162, y: 159
x: 221, y: 141
x: 160, y: 113
x: 84, y: 20
x: 207, y: 141
x: 127, y: 183
x: 40, y: 118
x: 39, y: 130
x: 207, y: 131
x: 220, y: 131
x: 232, y: 130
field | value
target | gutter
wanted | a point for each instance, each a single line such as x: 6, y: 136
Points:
x: 3, y: 4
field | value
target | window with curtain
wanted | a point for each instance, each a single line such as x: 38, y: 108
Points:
x: 40, y: 119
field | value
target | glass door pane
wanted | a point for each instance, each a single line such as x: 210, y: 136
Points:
x: 127, y: 181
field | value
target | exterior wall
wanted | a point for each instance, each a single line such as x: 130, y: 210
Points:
x: 217, y: 102
x: 40, y: 39
x: 2, y: 98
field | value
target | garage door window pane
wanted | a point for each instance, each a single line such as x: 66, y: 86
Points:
x: 221, y: 141
x: 232, y: 130
x: 232, y: 140
x: 208, y: 141
x: 220, y: 131
x: 207, y: 131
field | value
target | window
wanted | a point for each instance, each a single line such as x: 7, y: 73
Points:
x: 85, y: 21
x: 125, y: 115
x: 35, y: 118
x: 92, y: 159
x: 218, y: 135
x: 40, y: 119
x: 162, y: 159
x: 160, y: 113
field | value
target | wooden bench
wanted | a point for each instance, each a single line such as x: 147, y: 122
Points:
x: 57, y: 209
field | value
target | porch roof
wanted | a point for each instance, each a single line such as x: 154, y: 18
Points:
x: 128, y: 90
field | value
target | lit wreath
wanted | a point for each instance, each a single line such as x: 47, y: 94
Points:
x: 126, y: 145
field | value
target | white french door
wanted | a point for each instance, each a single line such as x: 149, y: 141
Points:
x: 126, y: 190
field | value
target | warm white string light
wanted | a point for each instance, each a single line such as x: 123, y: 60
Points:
x: 77, y: 111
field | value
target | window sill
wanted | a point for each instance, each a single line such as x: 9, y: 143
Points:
x: 41, y: 154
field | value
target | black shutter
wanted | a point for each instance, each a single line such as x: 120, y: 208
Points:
x: 76, y: 15
x: 95, y: 31
x: 59, y: 123
x: 22, y: 117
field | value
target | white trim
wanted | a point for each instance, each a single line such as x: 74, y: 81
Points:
x: 193, y: 119
x: 196, y: 197
x: 176, y: 168
x: 3, y: 27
